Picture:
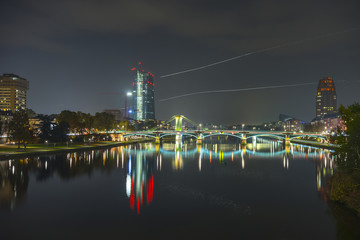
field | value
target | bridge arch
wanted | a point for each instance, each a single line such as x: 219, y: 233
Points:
x: 276, y: 136
x: 175, y: 133
x: 139, y: 134
x: 313, y: 136
x: 222, y: 134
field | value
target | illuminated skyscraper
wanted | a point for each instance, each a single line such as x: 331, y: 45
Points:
x: 143, y: 95
x: 326, y: 97
x: 13, y: 92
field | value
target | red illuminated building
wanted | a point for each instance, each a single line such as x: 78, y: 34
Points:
x: 326, y: 97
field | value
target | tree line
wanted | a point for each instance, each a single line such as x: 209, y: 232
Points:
x: 344, y: 185
x: 18, y: 128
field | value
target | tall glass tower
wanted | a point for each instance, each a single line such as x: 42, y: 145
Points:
x: 326, y: 97
x: 143, y: 94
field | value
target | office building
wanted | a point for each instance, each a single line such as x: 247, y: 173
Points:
x: 143, y: 95
x: 13, y: 92
x: 326, y: 97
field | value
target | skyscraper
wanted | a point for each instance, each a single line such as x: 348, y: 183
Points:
x: 326, y: 97
x: 143, y: 95
x: 13, y: 92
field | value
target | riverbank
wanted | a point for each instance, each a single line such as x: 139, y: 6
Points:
x: 316, y: 144
x: 11, y: 151
x: 344, y: 188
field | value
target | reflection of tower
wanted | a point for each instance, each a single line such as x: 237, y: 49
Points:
x: 139, y: 177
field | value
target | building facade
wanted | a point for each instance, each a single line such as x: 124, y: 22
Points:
x: 293, y: 125
x: 13, y: 92
x: 326, y: 102
x: 143, y: 95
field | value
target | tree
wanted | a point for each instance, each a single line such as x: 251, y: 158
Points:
x: 19, y: 128
x: 31, y: 113
x: 349, y: 140
x: 125, y: 126
x: 104, y: 121
x: 150, y: 124
x: 71, y: 118
x: 1, y: 126
x: 85, y: 122
x: 45, y: 128
x: 60, y: 131
x: 316, y: 127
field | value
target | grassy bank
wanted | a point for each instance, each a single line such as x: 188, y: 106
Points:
x: 344, y: 188
x: 12, y: 151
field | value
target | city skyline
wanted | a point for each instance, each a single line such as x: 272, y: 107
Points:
x: 86, y: 57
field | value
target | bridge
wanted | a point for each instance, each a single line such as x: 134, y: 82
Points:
x: 200, y: 135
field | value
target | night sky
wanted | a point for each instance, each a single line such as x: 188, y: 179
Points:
x: 77, y: 54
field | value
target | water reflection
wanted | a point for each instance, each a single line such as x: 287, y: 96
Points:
x: 140, y: 163
x: 139, y: 175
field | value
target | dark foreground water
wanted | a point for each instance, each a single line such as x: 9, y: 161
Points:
x: 176, y: 191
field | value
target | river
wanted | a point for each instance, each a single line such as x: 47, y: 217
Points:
x: 174, y: 191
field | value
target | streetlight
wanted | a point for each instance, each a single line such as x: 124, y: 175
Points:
x: 242, y: 125
x: 128, y: 94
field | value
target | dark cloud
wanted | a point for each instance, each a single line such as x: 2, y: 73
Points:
x: 77, y: 46
x: 237, y: 24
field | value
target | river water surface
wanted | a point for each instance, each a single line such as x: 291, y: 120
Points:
x: 173, y: 191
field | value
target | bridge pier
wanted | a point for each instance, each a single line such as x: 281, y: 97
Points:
x: 243, y: 140
x: 157, y: 139
x: 287, y: 139
x: 199, y: 139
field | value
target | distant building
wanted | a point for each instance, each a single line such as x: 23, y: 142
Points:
x: 143, y: 95
x: 13, y: 92
x: 117, y: 113
x: 326, y: 97
x: 330, y: 123
x: 35, y: 125
x: 293, y: 125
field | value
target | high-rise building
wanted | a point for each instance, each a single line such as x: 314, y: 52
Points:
x: 326, y: 97
x: 13, y: 92
x: 143, y: 95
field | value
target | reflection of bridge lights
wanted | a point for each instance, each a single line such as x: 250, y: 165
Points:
x: 200, y: 162
x: 129, y: 165
x: 284, y: 162
x: 128, y: 185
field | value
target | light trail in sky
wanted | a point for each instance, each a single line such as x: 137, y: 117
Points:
x: 237, y: 90
x: 258, y: 51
